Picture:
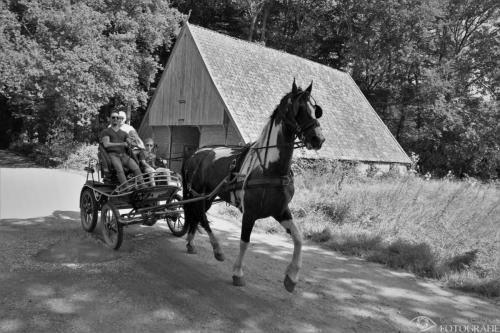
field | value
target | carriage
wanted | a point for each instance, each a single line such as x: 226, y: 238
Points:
x: 257, y: 179
x: 157, y: 198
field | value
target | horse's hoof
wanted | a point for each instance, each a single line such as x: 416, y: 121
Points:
x: 289, y: 284
x: 191, y: 249
x: 238, y: 281
x: 219, y: 256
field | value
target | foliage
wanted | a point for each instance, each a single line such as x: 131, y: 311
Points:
x: 79, y: 158
x: 63, y: 63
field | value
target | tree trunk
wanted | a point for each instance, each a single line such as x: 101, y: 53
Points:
x: 267, y: 9
x: 400, y: 127
x: 252, y: 27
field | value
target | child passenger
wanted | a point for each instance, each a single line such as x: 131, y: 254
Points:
x: 147, y: 159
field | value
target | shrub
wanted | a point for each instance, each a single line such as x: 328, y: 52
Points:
x: 322, y: 236
x: 462, y: 262
x: 23, y: 148
x: 417, y: 258
x: 337, y: 212
x: 81, y: 155
x: 355, y: 242
x: 470, y: 281
x: 52, y: 153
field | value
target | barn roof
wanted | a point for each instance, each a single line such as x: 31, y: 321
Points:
x: 252, y: 79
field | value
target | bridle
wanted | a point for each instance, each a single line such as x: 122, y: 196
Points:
x: 299, y: 131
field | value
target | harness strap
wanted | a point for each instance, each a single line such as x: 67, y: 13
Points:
x: 262, y: 182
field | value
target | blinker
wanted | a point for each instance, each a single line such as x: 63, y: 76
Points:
x: 318, y: 111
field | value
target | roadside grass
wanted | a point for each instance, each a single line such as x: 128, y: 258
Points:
x: 448, y: 230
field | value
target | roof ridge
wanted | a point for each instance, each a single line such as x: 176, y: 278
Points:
x: 267, y: 48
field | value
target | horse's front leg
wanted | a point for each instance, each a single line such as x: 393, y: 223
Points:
x: 292, y: 271
x: 246, y: 229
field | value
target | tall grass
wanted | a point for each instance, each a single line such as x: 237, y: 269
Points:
x: 438, y: 228
x: 435, y: 228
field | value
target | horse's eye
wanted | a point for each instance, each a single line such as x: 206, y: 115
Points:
x: 318, y: 111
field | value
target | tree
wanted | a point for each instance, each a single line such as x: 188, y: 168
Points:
x: 62, y: 63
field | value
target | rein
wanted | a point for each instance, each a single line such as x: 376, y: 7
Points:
x: 295, y: 145
x: 298, y: 131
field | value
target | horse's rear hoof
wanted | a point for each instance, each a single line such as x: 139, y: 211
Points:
x: 191, y: 249
x: 289, y: 284
x: 219, y: 256
x: 238, y: 281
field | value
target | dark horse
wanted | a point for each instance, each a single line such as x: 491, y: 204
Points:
x: 256, y: 179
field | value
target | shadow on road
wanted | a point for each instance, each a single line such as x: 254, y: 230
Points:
x: 55, y: 277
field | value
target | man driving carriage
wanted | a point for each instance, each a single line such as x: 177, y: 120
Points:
x: 115, y: 142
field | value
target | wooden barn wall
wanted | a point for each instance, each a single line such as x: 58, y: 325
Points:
x: 145, y: 130
x: 186, y: 94
x: 161, y: 136
x: 218, y: 135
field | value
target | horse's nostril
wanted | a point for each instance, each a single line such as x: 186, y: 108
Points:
x: 316, y: 141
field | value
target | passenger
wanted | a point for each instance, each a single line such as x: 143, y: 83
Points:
x: 130, y: 130
x: 149, y: 155
x: 115, y: 140
x: 148, y: 160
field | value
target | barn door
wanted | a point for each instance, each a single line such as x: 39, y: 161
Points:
x: 184, y: 140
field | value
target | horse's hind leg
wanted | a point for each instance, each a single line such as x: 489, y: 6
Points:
x: 218, y: 254
x: 246, y: 230
x: 292, y: 271
x: 191, y: 249
x: 191, y: 216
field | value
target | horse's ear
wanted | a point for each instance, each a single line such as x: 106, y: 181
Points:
x: 294, y: 87
x: 309, y: 89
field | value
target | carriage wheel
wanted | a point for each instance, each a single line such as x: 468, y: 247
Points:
x: 177, y: 225
x: 88, y: 210
x: 112, y: 229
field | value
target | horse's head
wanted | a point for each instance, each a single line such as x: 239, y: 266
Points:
x: 301, y: 117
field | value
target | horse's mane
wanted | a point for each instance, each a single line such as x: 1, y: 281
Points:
x: 283, y: 103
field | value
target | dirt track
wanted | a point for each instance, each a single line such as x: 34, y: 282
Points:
x: 54, y: 277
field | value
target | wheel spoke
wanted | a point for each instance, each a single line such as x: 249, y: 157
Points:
x: 88, y: 211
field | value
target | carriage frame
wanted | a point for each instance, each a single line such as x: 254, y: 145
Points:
x: 158, y: 197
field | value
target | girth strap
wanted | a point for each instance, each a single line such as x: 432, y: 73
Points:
x: 261, y: 182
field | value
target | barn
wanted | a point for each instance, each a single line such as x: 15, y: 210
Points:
x: 217, y: 89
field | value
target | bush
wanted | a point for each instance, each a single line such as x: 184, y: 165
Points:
x: 463, y: 261
x: 353, y: 242
x: 417, y: 258
x: 337, y: 212
x: 81, y: 156
x: 23, y: 148
x: 470, y: 281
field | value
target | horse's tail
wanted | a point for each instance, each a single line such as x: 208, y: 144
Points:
x: 191, y: 222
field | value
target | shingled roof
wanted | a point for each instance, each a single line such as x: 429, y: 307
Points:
x: 251, y: 79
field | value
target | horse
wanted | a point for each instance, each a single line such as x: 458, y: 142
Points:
x: 256, y: 179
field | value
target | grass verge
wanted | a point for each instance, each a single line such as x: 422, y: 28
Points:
x: 448, y: 230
